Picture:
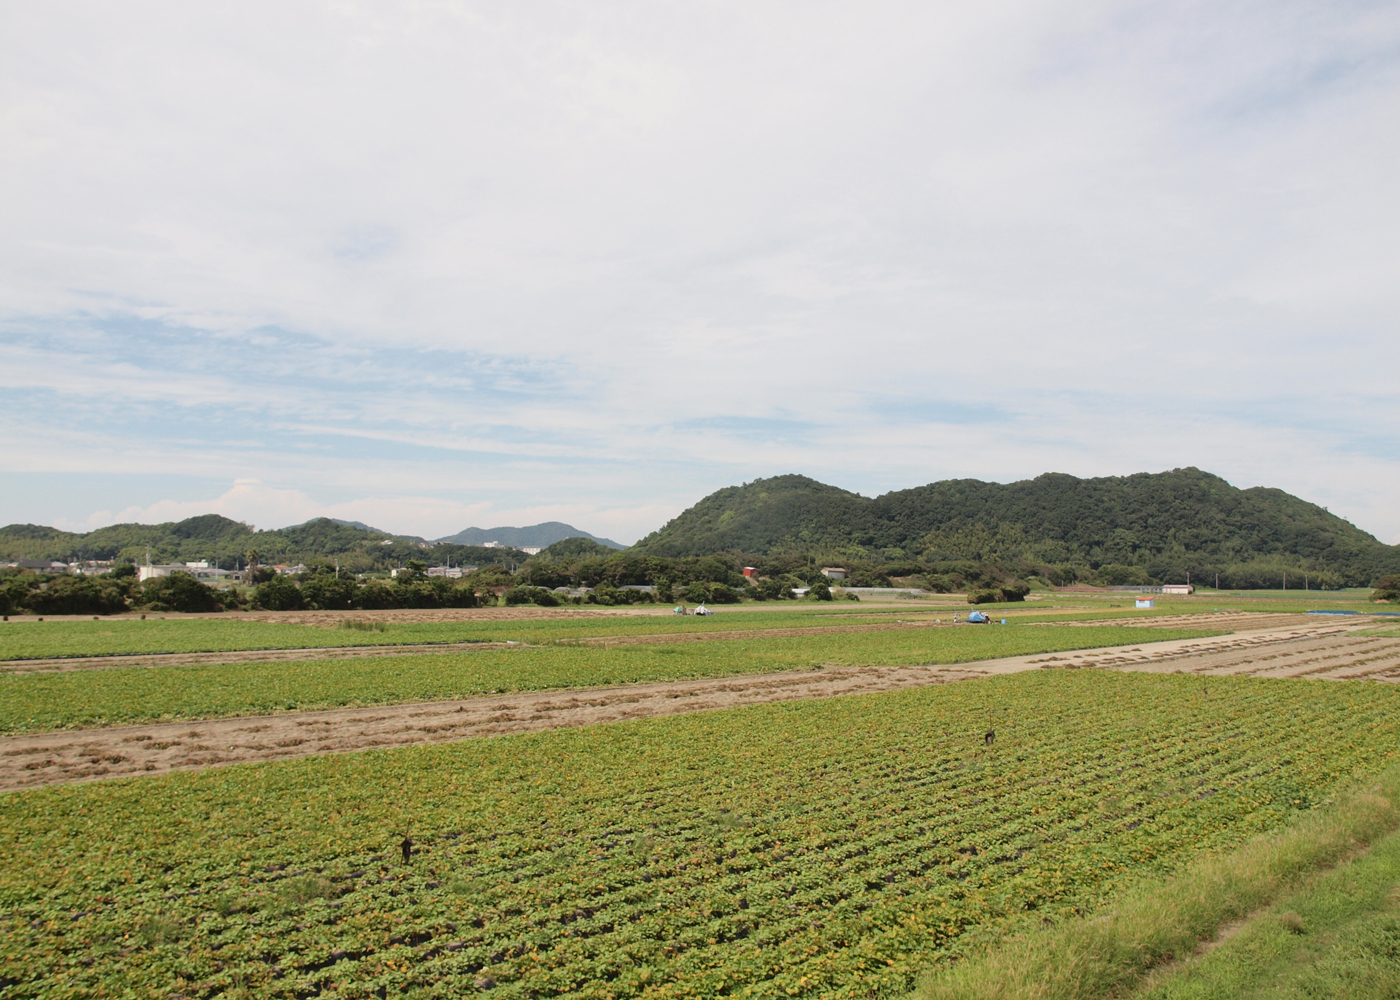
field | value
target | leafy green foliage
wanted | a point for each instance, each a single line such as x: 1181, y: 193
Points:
x: 1338, y: 938
x: 39, y: 701
x: 1004, y: 594
x: 278, y: 594
x: 179, y: 592
x: 75, y: 595
x: 830, y: 848
x: 217, y: 538
x: 530, y: 595
x: 1136, y: 528
x: 572, y: 549
x: 1387, y: 589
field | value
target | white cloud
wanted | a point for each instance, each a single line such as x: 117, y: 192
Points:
x: 263, y: 506
x: 511, y: 258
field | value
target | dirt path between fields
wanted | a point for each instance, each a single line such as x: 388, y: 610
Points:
x: 1245, y: 621
x: 1329, y: 652
x: 53, y: 758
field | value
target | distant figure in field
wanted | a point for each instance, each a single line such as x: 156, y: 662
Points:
x: 990, y: 738
x: 407, y: 848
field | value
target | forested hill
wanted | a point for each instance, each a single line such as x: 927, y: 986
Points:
x: 1162, y: 524
x: 357, y: 548
x: 535, y: 536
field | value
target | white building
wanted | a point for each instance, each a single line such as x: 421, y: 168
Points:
x: 201, y: 571
x: 1182, y: 589
x: 833, y: 572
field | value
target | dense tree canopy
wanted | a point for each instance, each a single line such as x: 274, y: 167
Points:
x: 228, y: 544
x: 1135, y: 528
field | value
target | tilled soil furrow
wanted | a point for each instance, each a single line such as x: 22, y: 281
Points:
x: 52, y: 758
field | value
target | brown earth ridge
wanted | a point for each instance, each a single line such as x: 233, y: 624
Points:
x: 1322, y: 651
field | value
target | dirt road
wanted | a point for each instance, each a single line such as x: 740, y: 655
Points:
x: 53, y: 758
x: 1328, y: 651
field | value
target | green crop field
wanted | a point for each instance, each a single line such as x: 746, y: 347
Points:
x: 41, y: 701
x: 833, y: 848
x: 32, y: 639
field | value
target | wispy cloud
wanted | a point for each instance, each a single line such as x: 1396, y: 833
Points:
x: 464, y: 259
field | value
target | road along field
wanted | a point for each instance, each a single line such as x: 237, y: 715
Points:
x: 66, y: 756
x: 833, y: 847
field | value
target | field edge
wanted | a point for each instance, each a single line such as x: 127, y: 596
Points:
x: 1102, y: 954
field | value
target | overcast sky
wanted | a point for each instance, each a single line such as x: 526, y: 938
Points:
x: 440, y: 264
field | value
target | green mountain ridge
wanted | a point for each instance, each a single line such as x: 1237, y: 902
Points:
x: 1148, y: 527
x: 223, y: 541
x: 531, y: 536
x: 1143, y: 528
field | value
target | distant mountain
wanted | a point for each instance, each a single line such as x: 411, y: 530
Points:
x: 356, y: 547
x: 536, y: 536
x: 352, y: 524
x: 1167, y: 524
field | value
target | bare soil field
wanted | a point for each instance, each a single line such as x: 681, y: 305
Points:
x: 1333, y: 656
x: 1233, y: 621
x: 1317, y: 650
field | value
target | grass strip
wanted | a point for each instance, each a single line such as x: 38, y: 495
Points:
x: 90, y: 698
x: 1338, y: 938
x: 1385, y: 632
x: 1104, y: 955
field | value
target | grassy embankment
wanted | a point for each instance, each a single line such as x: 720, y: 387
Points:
x: 87, y: 698
x: 1337, y: 938
x: 1110, y: 951
x: 831, y: 848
